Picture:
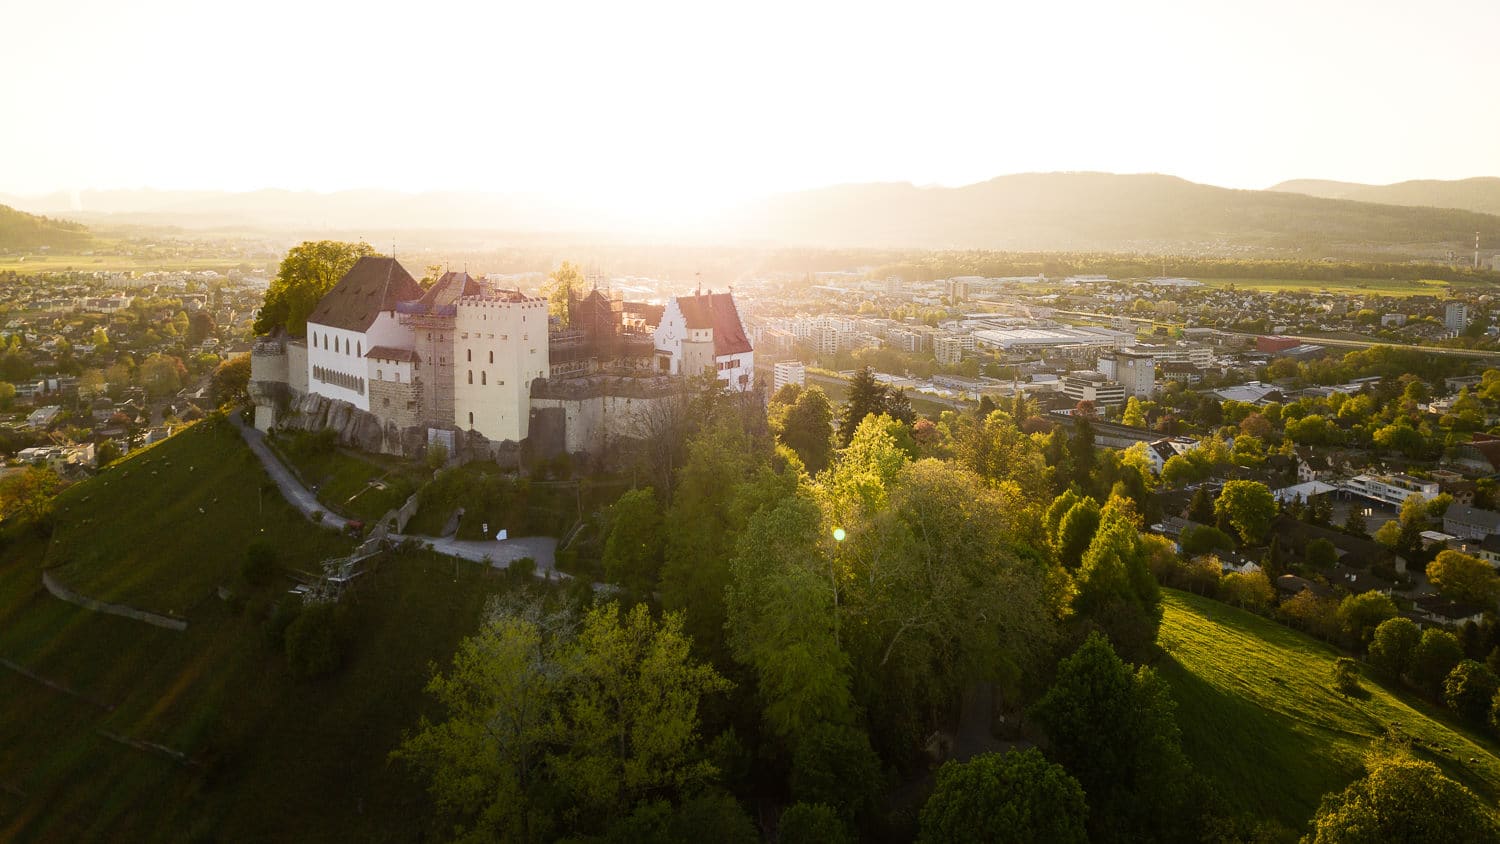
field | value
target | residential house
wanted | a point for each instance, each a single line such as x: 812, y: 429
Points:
x: 1469, y: 522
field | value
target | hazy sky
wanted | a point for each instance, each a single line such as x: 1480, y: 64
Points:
x: 651, y: 104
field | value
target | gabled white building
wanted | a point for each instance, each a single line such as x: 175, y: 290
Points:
x: 357, y: 315
x: 703, y: 333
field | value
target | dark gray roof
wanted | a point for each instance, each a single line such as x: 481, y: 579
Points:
x: 372, y: 285
x: 1465, y: 514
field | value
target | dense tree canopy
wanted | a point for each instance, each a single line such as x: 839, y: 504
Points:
x: 1402, y: 800
x: 307, y: 273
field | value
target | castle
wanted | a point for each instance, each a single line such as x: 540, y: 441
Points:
x: 482, y: 369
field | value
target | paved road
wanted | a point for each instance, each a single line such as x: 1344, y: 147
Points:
x: 499, y: 554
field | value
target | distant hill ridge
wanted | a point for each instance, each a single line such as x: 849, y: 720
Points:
x: 1480, y: 194
x: 19, y: 230
x: 1075, y: 211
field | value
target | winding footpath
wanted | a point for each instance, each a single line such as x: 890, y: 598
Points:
x: 499, y: 554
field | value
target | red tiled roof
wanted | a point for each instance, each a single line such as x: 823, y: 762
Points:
x: 393, y: 353
x: 372, y: 285
x: 716, y: 311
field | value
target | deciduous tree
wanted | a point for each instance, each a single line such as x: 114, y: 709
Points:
x: 1016, y: 798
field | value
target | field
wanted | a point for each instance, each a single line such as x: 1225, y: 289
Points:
x: 47, y: 263
x: 269, y: 758
x: 162, y: 529
x: 1259, y: 715
x: 1384, y: 287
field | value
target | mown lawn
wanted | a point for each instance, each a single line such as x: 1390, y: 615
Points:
x: 164, y: 528
x: 1259, y: 715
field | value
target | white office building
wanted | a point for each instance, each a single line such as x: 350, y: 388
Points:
x: 788, y: 372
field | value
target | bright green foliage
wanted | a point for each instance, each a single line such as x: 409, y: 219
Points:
x: 1248, y: 507
x: 1134, y: 772
x: 866, y: 468
x: 553, y: 728
x: 1115, y: 590
x: 940, y: 592
x: 1076, y: 531
x: 807, y: 428
x: 812, y: 823
x: 1249, y: 590
x: 1059, y: 507
x: 998, y: 451
x: 307, y: 273
x: 1470, y: 688
x: 633, y: 550
x: 1434, y: 656
x: 1015, y: 798
x: 1402, y: 800
x: 1360, y: 615
x: 1461, y: 577
x: 718, y: 487
x: 565, y: 285
x: 1393, y: 644
x: 1134, y: 416
x: 781, y: 624
x: 1389, y: 534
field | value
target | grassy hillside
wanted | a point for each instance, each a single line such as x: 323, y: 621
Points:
x: 19, y: 230
x: 1480, y: 194
x: 269, y: 758
x: 164, y: 528
x: 1259, y: 715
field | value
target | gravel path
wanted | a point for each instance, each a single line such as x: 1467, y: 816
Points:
x: 500, y: 554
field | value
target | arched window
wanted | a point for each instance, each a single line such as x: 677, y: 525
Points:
x: 492, y: 356
x: 379, y: 375
x: 471, y: 376
x: 469, y: 355
x: 482, y: 381
x: 471, y: 419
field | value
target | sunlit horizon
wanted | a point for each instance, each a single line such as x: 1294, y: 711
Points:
x: 668, y: 109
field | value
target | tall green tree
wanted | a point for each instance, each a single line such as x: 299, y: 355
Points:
x: 781, y: 606
x: 1461, y: 577
x: 866, y: 396
x: 998, y: 450
x: 554, y: 726
x: 1249, y: 509
x: 1015, y: 798
x: 633, y: 549
x: 1392, y: 645
x: 565, y: 285
x: 1115, y: 591
x: 1134, y: 773
x: 1402, y: 800
x: 307, y: 273
x: 807, y: 428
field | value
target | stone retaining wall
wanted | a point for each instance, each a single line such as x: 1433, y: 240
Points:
x: 63, y: 593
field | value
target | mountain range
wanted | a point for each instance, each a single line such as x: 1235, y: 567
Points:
x: 1141, y: 213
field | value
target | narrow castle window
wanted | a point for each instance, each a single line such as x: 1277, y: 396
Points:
x: 492, y: 356
x: 471, y: 376
x: 482, y: 376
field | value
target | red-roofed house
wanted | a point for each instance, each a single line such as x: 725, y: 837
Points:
x: 703, y: 333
